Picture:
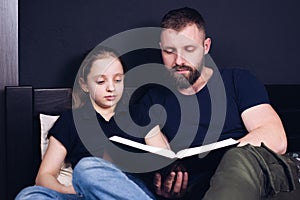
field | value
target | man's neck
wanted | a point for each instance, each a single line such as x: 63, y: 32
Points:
x: 206, y: 74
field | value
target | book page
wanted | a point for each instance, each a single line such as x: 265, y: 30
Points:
x: 148, y: 148
x: 205, y: 148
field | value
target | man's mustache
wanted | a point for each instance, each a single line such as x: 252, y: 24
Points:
x: 181, y: 67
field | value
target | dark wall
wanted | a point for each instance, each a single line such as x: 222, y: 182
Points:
x: 262, y: 36
x: 8, y: 74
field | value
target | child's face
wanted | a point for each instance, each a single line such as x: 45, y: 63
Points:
x: 105, y: 82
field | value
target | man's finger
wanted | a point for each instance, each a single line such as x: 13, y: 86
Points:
x: 178, y: 183
x: 157, y: 183
x: 168, y: 183
x: 184, y: 182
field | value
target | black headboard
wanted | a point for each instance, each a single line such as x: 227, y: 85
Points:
x: 23, y: 105
x: 285, y: 99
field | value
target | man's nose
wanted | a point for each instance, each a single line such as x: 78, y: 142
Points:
x: 179, y: 59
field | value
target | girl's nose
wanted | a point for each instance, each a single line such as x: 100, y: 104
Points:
x: 110, y: 87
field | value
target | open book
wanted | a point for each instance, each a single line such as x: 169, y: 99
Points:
x: 169, y: 153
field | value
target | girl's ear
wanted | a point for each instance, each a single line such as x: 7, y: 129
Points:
x: 83, y: 85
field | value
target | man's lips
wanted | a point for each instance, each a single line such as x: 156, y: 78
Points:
x: 181, y: 69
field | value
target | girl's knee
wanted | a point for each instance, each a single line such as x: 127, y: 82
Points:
x: 90, y: 167
x: 93, y: 163
x: 33, y: 192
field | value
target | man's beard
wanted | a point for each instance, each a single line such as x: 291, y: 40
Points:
x: 183, y: 81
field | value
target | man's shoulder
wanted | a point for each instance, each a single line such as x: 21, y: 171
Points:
x: 236, y: 74
x: 233, y: 71
x: 161, y: 90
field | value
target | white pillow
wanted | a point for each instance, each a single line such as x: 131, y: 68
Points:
x: 47, y: 121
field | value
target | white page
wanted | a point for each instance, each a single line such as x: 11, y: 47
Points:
x: 152, y: 149
x: 197, y: 150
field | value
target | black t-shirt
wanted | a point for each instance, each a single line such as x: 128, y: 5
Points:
x: 212, y: 114
x: 84, y: 132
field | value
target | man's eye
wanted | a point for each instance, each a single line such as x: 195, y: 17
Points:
x: 118, y: 80
x: 190, y: 49
x: 168, y: 51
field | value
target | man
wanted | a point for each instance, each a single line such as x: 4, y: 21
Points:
x: 243, y: 172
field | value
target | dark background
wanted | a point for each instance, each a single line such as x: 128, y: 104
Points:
x: 54, y: 35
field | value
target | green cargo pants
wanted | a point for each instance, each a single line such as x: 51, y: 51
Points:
x: 253, y: 173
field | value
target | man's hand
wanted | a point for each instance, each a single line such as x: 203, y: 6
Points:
x: 174, y: 185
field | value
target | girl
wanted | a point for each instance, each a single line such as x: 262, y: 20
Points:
x: 75, y: 138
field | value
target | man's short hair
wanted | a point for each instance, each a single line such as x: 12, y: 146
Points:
x: 179, y: 18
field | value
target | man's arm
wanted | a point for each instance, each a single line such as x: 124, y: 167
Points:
x: 264, y: 126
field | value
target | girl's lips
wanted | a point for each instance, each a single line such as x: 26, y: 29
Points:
x: 110, y: 98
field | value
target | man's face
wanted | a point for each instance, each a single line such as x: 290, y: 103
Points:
x: 183, y: 53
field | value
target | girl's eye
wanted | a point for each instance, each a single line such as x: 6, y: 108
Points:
x: 118, y: 79
x: 100, y: 82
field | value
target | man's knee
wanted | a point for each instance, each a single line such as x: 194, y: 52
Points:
x: 240, y: 157
x: 237, y: 153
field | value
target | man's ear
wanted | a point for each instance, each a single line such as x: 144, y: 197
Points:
x: 207, y: 43
x: 83, y: 85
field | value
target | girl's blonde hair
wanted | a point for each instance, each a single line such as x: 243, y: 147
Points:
x: 79, y: 97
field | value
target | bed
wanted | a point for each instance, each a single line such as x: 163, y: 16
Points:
x: 23, y: 154
x: 25, y: 103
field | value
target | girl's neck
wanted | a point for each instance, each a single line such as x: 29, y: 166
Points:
x: 106, y: 113
x: 107, y: 116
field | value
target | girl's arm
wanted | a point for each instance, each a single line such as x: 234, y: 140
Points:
x: 156, y: 138
x: 50, y: 168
